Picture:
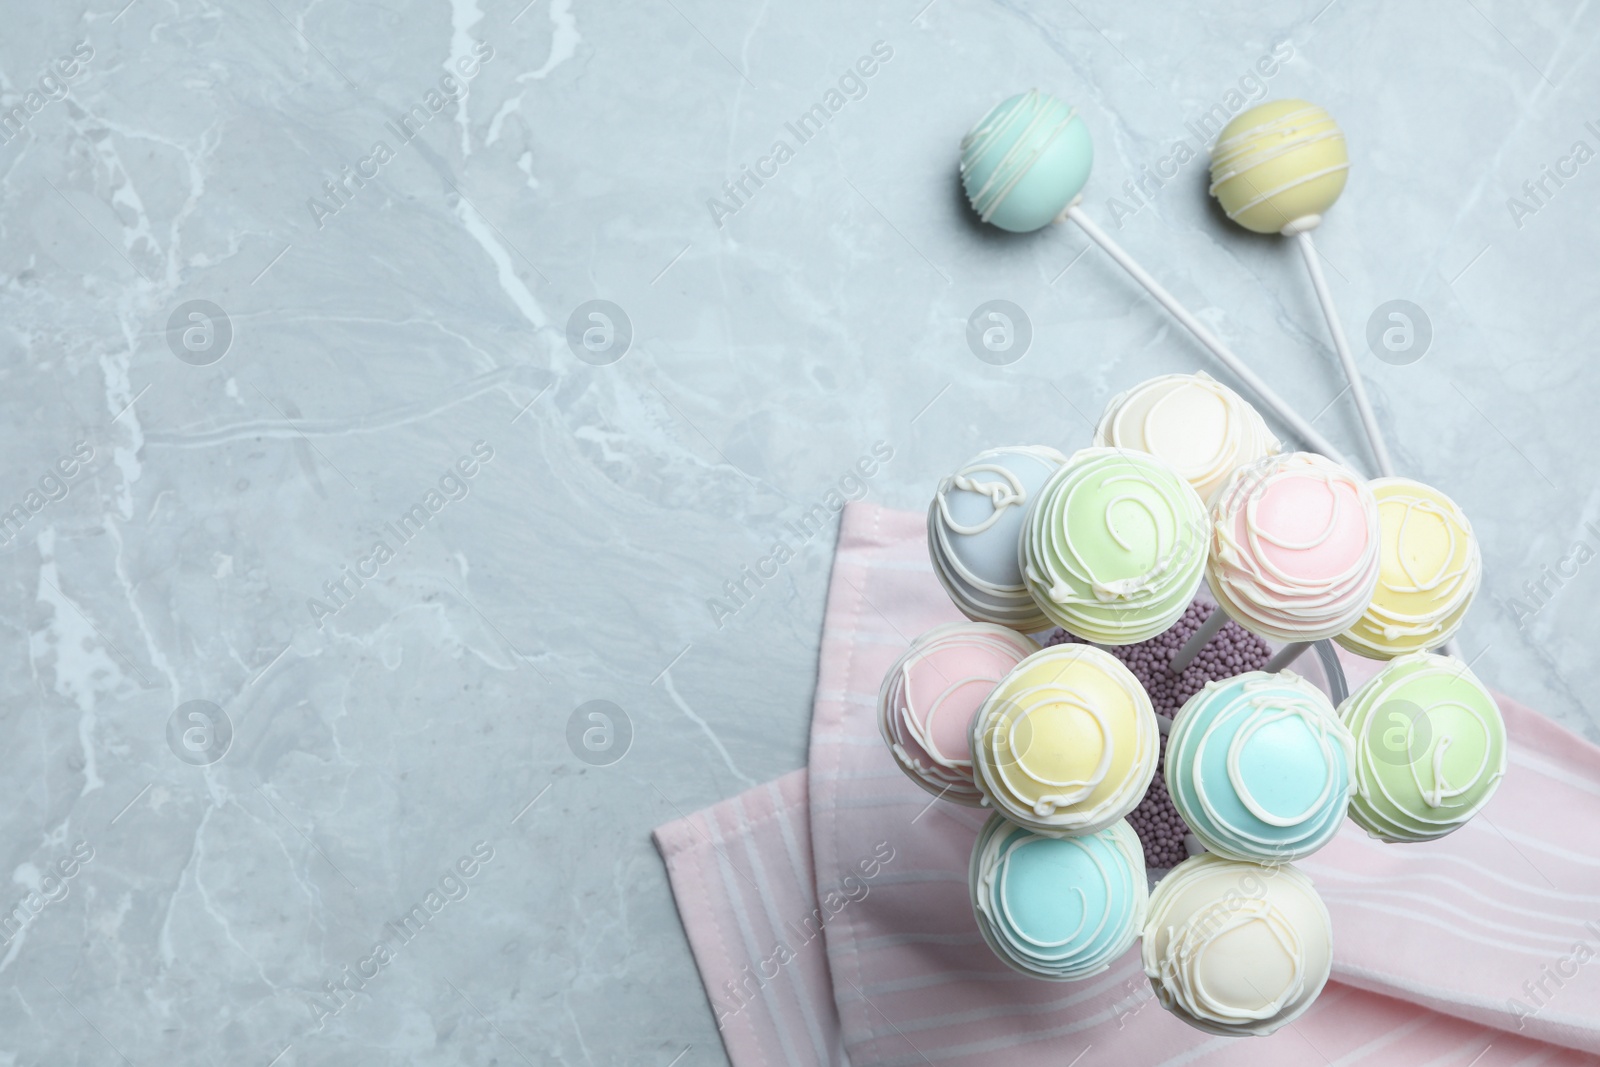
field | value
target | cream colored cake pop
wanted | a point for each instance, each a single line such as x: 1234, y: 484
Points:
x: 1203, y: 429
x: 1236, y: 948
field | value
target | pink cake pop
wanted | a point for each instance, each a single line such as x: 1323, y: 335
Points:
x: 928, y: 699
x: 1294, y: 548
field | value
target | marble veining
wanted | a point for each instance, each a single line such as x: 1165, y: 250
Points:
x: 284, y: 282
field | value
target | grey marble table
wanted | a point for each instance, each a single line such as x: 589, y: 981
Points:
x: 332, y: 503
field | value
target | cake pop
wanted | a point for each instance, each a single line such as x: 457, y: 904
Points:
x: 1024, y: 165
x: 1279, y: 166
x: 928, y: 699
x: 1260, y: 767
x: 1235, y: 948
x: 1057, y: 908
x: 1430, y: 748
x: 1067, y: 742
x: 1113, y: 546
x: 1275, y: 169
x: 1294, y: 548
x: 1194, y: 423
x: 974, y: 527
x: 1429, y: 571
x: 1026, y: 161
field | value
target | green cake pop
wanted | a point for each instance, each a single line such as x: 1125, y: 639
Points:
x: 1430, y: 748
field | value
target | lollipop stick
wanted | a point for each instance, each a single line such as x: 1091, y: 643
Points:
x: 1285, y: 656
x: 1368, y: 422
x: 1300, y: 426
x: 1198, y: 641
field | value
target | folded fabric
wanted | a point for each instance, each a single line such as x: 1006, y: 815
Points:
x: 829, y: 918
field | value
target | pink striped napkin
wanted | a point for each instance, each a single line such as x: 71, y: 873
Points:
x: 828, y: 910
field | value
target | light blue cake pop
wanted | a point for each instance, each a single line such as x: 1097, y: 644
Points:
x: 975, y: 527
x: 1260, y: 767
x: 1026, y: 161
x: 1061, y: 908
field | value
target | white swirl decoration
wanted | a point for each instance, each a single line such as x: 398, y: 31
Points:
x: 1193, y: 422
x: 1430, y: 571
x: 1430, y: 748
x: 929, y: 697
x: 1283, y: 147
x: 1113, y: 548
x: 1028, y: 125
x: 1294, y: 547
x: 1058, y: 908
x: 1067, y: 743
x: 974, y: 526
x: 1260, y: 767
x: 1236, y: 948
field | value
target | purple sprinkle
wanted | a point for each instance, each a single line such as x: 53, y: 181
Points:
x: 1233, y: 651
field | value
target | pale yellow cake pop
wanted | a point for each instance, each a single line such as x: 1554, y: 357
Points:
x: 1067, y: 743
x: 1277, y: 167
x: 1429, y: 571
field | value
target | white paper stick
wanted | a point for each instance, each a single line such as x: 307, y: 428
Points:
x: 1285, y: 656
x: 1310, y: 437
x: 1358, y: 390
x: 1198, y: 641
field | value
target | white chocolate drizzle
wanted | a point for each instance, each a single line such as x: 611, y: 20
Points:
x: 1032, y: 124
x: 1018, y: 788
x: 1163, y: 432
x: 1425, y: 804
x: 991, y: 475
x: 1202, y: 906
x: 1100, y: 937
x: 1418, y: 611
x: 1247, y: 704
x: 1270, y: 140
x: 1262, y: 595
x: 1070, y: 580
x: 910, y: 730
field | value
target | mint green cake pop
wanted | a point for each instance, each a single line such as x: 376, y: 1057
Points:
x: 1026, y: 161
x: 1430, y: 748
x: 1114, y: 546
